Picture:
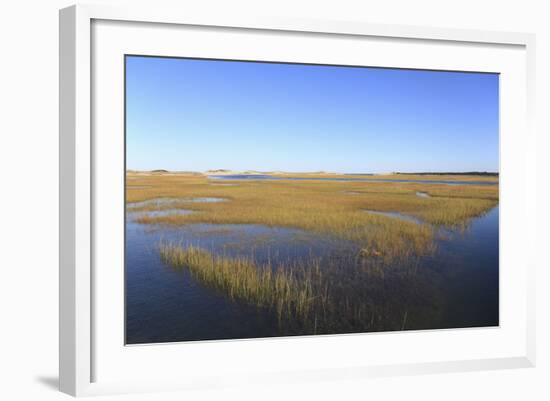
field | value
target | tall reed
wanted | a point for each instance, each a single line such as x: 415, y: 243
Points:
x: 344, y: 295
x: 289, y: 291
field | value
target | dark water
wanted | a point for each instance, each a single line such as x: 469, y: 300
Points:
x: 343, y: 179
x: 163, y: 304
x: 459, y: 282
x: 470, y: 261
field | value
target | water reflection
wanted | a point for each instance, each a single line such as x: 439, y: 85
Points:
x: 457, y: 286
x: 161, y: 202
x: 344, y: 179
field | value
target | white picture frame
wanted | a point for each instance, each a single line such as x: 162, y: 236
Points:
x: 79, y: 161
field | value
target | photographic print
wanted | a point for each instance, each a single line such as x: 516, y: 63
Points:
x: 268, y: 199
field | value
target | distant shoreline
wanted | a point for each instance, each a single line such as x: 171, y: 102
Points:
x: 470, y: 176
x: 477, y: 173
x: 253, y: 172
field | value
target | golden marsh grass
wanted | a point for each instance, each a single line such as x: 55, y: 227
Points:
x: 310, y: 298
x: 288, y: 291
x: 326, y: 207
x: 423, y: 177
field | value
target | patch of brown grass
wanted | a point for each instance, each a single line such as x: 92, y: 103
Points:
x: 325, y: 207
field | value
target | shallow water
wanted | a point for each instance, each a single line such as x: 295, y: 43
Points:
x: 160, y: 202
x: 205, y: 200
x: 166, y: 305
x: 396, y: 215
x: 340, y: 179
x: 168, y: 212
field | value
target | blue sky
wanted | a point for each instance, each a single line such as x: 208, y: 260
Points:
x: 188, y: 114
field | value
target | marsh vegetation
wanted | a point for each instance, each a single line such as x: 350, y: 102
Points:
x: 308, y: 256
x: 321, y: 206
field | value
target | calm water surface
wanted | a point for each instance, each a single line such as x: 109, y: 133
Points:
x: 166, y: 305
x: 341, y: 179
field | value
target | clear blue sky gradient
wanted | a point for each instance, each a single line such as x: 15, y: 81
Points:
x: 186, y: 114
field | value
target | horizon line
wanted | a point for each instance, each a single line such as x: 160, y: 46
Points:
x: 471, y: 172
